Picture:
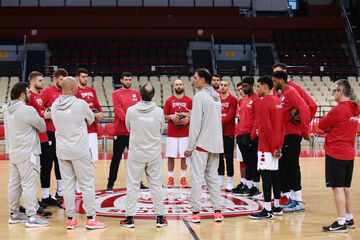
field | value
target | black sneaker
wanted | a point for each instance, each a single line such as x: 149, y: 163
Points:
x: 142, y: 186
x: 58, y: 196
x: 277, y: 211
x: 51, y: 201
x: 42, y: 213
x: 22, y: 209
x: 243, y: 190
x: 109, y: 189
x: 350, y: 223
x: 253, y: 191
x: 128, y: 222
x: 238, y: 188
x: 264, y: 214
x: 161, y: 221
x: 43, y: 205
x: 335, y: 227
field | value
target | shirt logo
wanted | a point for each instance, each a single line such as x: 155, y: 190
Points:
x: 279, y: 106
x: 354, y: 119
x: 225, y: 104
x: 134, y: 95
x: 179, y: 104
x: 39, y: 101
x: 87, y: 94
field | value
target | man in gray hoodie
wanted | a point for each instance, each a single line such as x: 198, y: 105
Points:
x: 70, y: 116
x: 22, y: 124
x: 205, y: 144
x: 145, y: 122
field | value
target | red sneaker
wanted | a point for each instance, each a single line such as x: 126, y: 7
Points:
x: 71, y: 224
x: 94, y: 224
x: 183, y: 182
x: 284, y: 200
x: 218, y: 217
x: 195, y: 218
x: 170, y: 182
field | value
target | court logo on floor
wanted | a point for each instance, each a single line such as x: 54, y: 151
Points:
x: 177, y: 203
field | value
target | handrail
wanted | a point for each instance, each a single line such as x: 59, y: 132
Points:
x: 253, y: 47
x: 213, y: 54
x: 24, y: 61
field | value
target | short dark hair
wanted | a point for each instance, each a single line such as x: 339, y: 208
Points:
x: 60, y: 72
x: 238, y: 84
x: 81, y: 70
x: 280, y: 65
x: 204, y: 73
x: 125, y: 74
x: 18, y: 89
x: 145, y: 94
x: 248, y: 80
x: 266, y: 80
x: 281, y: 74
x: 216, y: 75
x: 34, y: 74
x: 344, y: 85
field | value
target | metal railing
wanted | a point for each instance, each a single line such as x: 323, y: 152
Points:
x: 24, y: 61
x: 213, y: 54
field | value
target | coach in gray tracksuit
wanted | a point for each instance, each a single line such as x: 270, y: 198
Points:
x: 205, y: 141
x: 145, y: 122
x: 22, y: 124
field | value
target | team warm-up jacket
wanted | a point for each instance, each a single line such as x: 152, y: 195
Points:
x: 247, y: 114
x: 36, y: 102
x: 228, y: 112
x: 48, y: 96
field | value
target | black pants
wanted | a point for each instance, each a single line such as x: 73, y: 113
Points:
x: 52, y: 148
x: 45, y: 165
x: 270, y: 178
x: 289, y: 168
x: 248, y: 149
x: 120, y: 142
x: 229, y: 156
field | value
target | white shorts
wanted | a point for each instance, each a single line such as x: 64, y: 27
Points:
x: 175, y: 146
x: 239, y: 157
x: 93, y: 142
x: 267, y: 162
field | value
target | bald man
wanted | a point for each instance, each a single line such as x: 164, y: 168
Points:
x: 70, y: 116
x: 177, y: 114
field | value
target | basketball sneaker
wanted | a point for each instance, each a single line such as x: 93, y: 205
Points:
x: 42, y: 213
x: 128, y: 222
x: 109, y: 189
x: 72, y: 223
x: 59, y: 195
x: 195, y: 218
x: 218, y: 217
x: 350, y: 223
x: 183, y: 182
x: 295, y: 206
x: 143, y: 187
x: 264, y: 214
x: 238, y: 188
x: 161, y: 221
x: 17, y: 218
x: 170, y: 182
x: 229, y: 187
x: 78, y: 192
x: 94, y: 223
x: 253, y: 191
x: 284, y: 200
x: 335, y: 227
x: 277, y: 211
x: 32, y: 222
x: 51, y: 201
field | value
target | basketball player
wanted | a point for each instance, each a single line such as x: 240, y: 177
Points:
x: 289, y: 168
x: 48, y: 96
x: 205, y: 144
x: 36, y: 85
x: 228, y: 112
x: 145, y: 122
x: 215, y: 82
x: 247, y: 145
x: 177, y: 136
x: 70, y: 116
x: 271, y: 135
x: 123, y: 98
x: 340, y: 123
x: 22, y: 124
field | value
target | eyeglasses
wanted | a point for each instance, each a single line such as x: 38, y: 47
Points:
x: 336, y: 90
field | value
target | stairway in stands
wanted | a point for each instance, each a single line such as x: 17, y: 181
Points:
x: 265, y: 59
x: 202, y: 59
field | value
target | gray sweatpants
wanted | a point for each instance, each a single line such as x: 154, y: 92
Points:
x: 24, y: 179
x: 81, y: 170
x: 204, y: 164
x: 134, y: 172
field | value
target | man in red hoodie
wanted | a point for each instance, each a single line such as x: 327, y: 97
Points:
x: 123, y: 98
x: 340, y: 124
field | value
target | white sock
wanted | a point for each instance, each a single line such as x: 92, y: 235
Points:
x: 45, y: 192
x: 171, y: 174
x: 348, y: 216
x: 221, y: 180
x: 277, y: 202
x: 298, y: 196
x: 183, y: 173
x: 59, y: 185
x: 267, y: 206
x: 77, y: 188
x: 286, y: 194
x: 230, y: 180
x: 243, y: 180
x: 341, y: 221
x: 292, y: 195
x: 256, y: 184
x: 248, y: 183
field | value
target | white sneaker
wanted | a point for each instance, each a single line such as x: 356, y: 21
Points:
x: 259, y: 197
x: 36, y: 222
x: 17, y: 218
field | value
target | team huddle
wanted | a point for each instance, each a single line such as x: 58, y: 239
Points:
x: 60, y: 126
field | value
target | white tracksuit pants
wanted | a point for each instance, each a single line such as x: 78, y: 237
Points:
x: 134, y: 172
x: 24, y: 179
x: 81, y: 170
x: 204, y: 164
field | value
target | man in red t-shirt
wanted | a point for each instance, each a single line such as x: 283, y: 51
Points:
x: 340, y: 124
x: 215, y: 82
x: 228, y: 112
x: 177, y: 114
x: 48, y: 96
x: 123, y: 98
x: 36, y: 85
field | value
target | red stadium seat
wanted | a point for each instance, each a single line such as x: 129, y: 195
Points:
x: 2, y: 132
x: 100, y: 131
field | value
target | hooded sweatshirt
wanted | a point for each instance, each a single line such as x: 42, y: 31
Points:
x: 71, y: 116
x: 145, y: 121
x: 342, y: 121
x: 22, y: 124
x: 205, y: 123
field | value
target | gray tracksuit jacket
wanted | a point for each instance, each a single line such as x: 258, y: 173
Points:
x: 70, y: 116
x: 145, y: 122
x: 22, y: 124
x: 205, y: 122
